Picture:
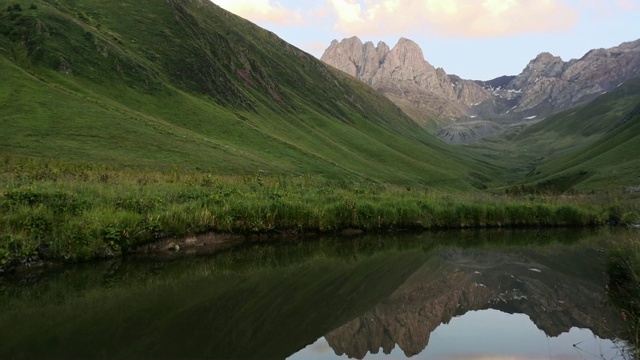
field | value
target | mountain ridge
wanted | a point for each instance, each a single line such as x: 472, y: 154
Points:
x: 160, y: 84
x: 545, y: 86
x: 183, y: 72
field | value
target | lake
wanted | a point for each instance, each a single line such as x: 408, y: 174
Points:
x: 481, y: 294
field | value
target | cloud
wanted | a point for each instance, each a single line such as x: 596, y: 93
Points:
x: 349, y: 11
x: 458, y: 18
x: 262, y: 11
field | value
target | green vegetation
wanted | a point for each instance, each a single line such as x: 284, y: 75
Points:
x: 159, y: 83
x: 624, y: 282
x: 591, y: 147
x: 76, y: 211
x: 125, y: 122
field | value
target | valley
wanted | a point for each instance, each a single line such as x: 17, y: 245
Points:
x: 157, y: 129
x: 466, y: 111
x: 105, y: 105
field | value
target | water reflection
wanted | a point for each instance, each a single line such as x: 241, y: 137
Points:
x: 384, y: 294
x: 491, y: 334
x: 494, y: 334
x: 542, y: 298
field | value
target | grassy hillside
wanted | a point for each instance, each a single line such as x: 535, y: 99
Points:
x: 589, y: 147
x: 126, y: 122
x: 156, y: 84
x: 610, y: 130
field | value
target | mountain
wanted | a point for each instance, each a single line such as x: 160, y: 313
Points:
x: 404, y: 76
x: 160, y: 84
x: 587, y: 147
x: 184, y: 84
x: 547, y: 85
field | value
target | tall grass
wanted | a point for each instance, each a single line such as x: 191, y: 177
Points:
x: 624, y: 282
x: 79, y: 211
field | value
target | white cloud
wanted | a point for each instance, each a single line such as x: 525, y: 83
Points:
x: 262, y: 11
x: 497, y: 7
x: 348, y: 11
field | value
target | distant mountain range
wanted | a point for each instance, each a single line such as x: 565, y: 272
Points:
x: 458, y: 109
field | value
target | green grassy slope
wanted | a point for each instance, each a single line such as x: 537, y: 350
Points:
x: 589, y: 147
x: 610, y: 162
x: 156, y: 84
x: 596, y: 145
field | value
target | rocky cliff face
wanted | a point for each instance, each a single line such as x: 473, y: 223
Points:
x: 402, y: 73
x: 549, y: 84
x: 554, y: 296
x: 546, y: 85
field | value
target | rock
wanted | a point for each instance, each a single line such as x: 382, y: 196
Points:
x: 469, y: 132
x: 547, y: 81
x: 403, y: 73
x: 192, y: 240
x: 546, y: 85
x: 173, y: 247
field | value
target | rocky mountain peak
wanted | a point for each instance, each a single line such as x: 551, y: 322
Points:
x: 546, y: 56
x: 403, y: 74
x: 546, y: 85
x: 406, y: 63
x: 409, y: 55
x: 545, y: 65
x: 630, y: 46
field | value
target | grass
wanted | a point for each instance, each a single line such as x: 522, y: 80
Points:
x: 586, y: 148
x: 78, y: 211
x: 122, y: 123
x: 624, y: 283
x: 156, y: 84
x: 180, y: 118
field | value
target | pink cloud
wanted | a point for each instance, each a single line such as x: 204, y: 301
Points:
x: 460, y: 18
x: 262, y: 11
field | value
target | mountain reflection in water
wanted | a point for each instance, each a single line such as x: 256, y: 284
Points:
x: 532, y: 303
x: 387, y: 294
x: 491, y: 334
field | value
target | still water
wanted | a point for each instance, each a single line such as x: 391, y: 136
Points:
x: 450, y: 295
x: 486, y: 334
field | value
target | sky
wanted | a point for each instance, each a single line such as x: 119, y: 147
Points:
x: 475, y: 39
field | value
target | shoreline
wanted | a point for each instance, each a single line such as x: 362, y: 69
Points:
x: 212, y: 242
